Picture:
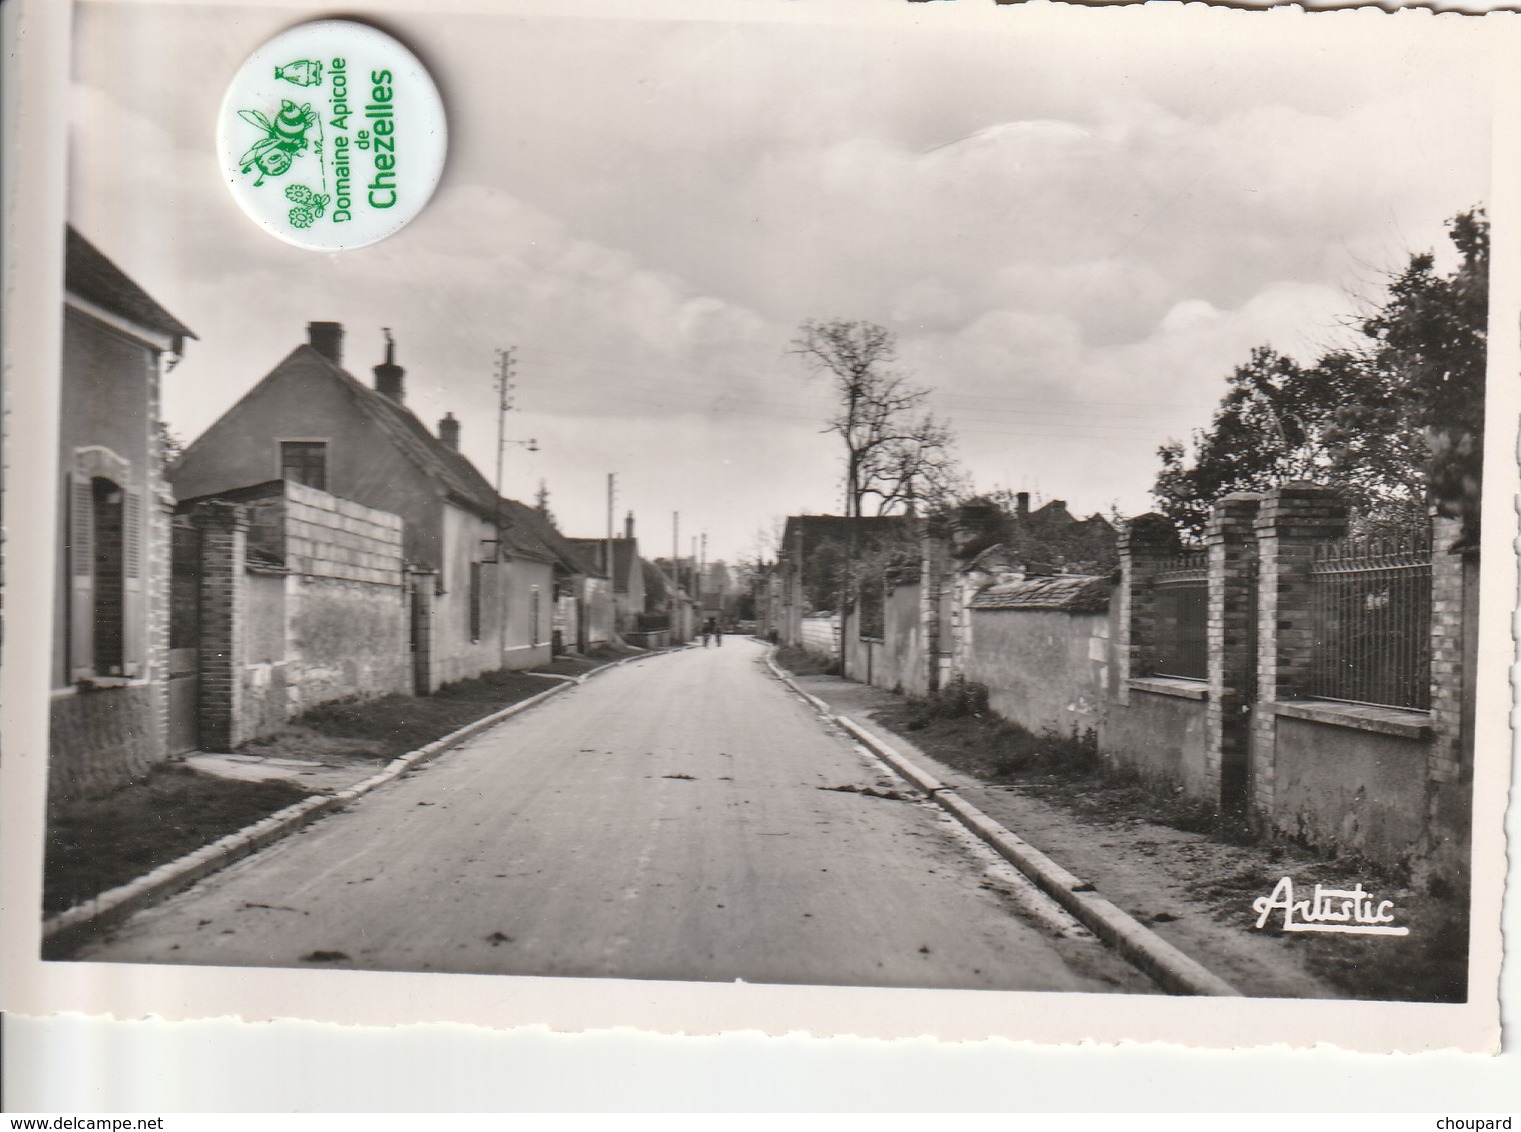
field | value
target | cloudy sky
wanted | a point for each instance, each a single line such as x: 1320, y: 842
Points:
x: 1076, y: 222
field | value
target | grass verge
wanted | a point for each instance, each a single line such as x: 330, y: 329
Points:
x: 801, y: 662
x: 95, y: 844
x: 1428, y: 965
x: 389, y: 727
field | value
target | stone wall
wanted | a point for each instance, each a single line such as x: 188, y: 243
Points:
x: 302, y: 603
x: 1250, y: 738
x: 1046, y: 670
x: 894, y: 661
x: 820, y: 634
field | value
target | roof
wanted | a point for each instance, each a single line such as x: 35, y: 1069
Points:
x: 1064, y: 593
x: 524, y: 532
x: 529, y: 526
x: 625, y: 554
x: 838, y: 528
x: 93, y: 277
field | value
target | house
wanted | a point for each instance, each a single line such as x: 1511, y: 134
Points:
x: 1046, y: 540
x: 481, y: 575
x: 583, y: 605
x: 627, y: 576
x: 666, y: 603
x: 110, y: 655
x: 812, y: 567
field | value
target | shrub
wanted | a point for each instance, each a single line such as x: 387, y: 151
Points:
x: 960, y: 698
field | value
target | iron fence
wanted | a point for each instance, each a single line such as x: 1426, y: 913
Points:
x: 1181, y: 595
x: 1371, y: 602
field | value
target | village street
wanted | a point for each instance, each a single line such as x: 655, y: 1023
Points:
x: 675, y: 818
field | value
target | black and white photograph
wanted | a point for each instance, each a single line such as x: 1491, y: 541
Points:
x: 905, y: 498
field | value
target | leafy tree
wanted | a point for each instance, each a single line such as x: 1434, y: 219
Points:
x: 1391, y: 425
x: 824, y: 572
x: 1269, y: 429
x: 541, y: 505
x: 897, y: 456
x: 1430, y: 348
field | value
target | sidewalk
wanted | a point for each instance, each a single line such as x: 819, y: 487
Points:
x: 1193, y: 892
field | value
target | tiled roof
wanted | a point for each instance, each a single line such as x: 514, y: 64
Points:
x: 525, y: 533
x: 530, y: 527
x: 93, y: 277
x: 1065, y: 593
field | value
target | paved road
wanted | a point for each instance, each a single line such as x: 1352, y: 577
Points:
x: 676, y: 818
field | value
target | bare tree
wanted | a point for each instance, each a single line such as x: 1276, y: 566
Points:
x: 896, y: 453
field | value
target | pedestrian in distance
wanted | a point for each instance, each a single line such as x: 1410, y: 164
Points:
x: 709, y: 629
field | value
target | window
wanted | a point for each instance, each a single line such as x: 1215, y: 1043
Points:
x: 538, y: 613
x: 107, y: 635
x: 475, y: 601
x: 304, y: 461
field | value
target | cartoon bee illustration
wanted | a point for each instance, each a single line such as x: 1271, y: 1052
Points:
x: 284, y: 140
x: 303, y: 72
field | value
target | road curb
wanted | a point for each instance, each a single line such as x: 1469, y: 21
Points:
x: 72, y: 927
x: 1170, y: 968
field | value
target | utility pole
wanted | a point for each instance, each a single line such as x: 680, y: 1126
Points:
x: 611, y: 493
x: 504, y: 364
x: 676, y: 547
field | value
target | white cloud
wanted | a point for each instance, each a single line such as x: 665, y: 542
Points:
x: 1076, y: 237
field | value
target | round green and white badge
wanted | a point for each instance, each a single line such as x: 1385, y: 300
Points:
x: 332, y: 136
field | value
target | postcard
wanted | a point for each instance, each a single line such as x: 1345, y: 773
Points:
x: 880, y: 520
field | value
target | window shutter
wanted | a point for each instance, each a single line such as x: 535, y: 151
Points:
x: 134, y: 615
x: 81, y: 578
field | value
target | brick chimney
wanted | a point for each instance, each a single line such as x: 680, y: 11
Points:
x: 388, y: 375
x: 628, y: 525
x: 327, y: 339
x: 448, y: 431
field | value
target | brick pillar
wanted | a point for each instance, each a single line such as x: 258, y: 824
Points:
x: 1145, y: 544
x: 932, y: 578
x: 224, y: 611
x: 1449, y: 759
x: 1232, y: 547
x: 1289, y: 523
x: 424, y: 588
x: 965, y: 586
x: 1445, y: 762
